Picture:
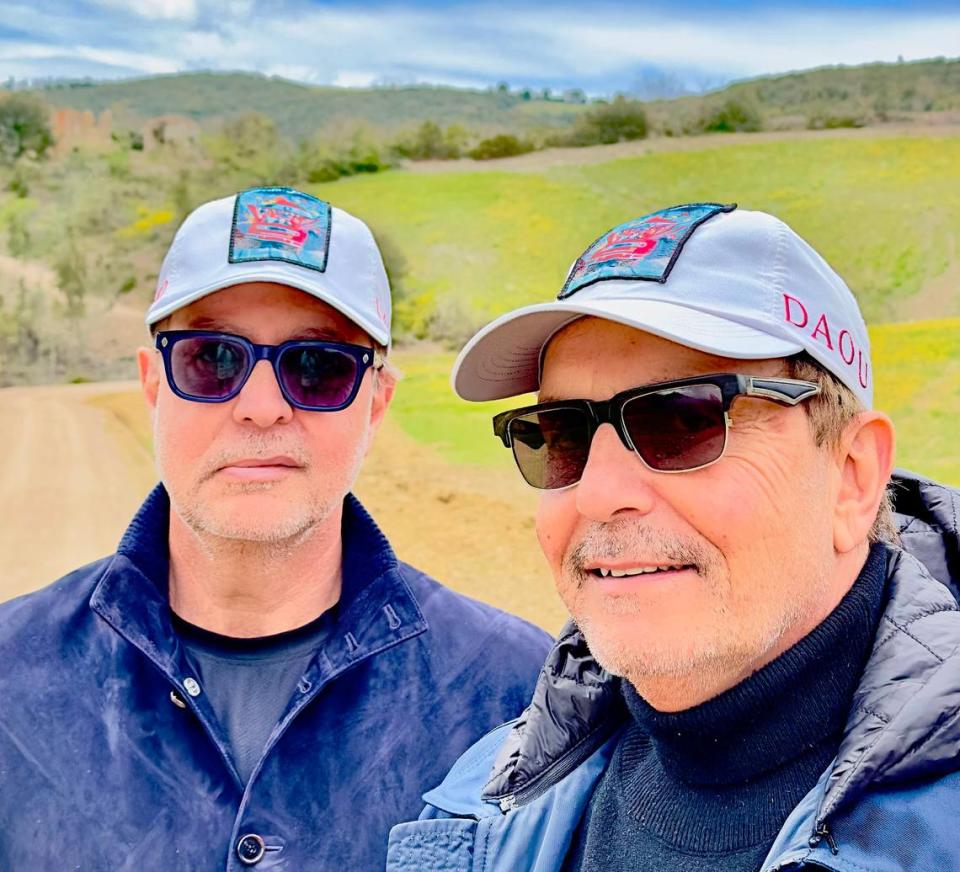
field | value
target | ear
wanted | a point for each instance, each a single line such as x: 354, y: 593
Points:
x: 149, y: 366
x: 864, y: 462
x: 385, y: 385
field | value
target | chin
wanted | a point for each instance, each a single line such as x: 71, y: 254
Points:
x: 253, y: 515
x: 257, y: 527
x: 627, y: 645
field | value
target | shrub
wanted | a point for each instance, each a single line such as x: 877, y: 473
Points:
x: 733, y: 116
x: 71, y: 269
x: 24, y: 127
x: 19, y: 184
x: 18, y: 238
x: 250, y: 145
x: 430, y: 142
x: 620, y: 120
x: 834, y: 122
x: 502, y: 145
x: 452, y: 322
x: 326, y: 161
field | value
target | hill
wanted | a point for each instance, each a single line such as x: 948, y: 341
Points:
x: 300, y: 110
x: 885, y: 211
x: 463, y: 246
x: 827, y: 97
x: 834, y: 96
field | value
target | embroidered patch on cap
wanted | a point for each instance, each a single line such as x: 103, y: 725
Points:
x: 645, y: 248
x: 280, y: 224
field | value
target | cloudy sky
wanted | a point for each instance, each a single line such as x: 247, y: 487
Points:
x: 601, y: 47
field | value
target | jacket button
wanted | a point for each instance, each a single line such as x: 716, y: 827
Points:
x: 191, y: 686
x: 250, y: 849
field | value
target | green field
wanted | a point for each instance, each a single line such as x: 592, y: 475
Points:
x: 884, y: 212
x: 917, y: 368
x: 468, y: 245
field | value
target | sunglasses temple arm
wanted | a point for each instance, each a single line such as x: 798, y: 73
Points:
x: 790, y: 392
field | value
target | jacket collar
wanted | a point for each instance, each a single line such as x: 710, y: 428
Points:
x: 904, y: 720
x: 377, y: 609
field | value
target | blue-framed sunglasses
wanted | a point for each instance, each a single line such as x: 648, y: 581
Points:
x: 314, y: 375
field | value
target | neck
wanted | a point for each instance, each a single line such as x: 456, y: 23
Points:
x: 724, y: 775
x: 674, y: 692
x: 783, y: 709
x: 247, y: 589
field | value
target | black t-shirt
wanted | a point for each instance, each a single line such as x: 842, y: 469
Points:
x: 250, y: 682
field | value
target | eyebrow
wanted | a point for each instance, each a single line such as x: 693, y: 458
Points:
x: 205, y: 322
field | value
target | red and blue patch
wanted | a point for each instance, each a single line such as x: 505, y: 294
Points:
x: 644, y: 249
x: 280, y: 224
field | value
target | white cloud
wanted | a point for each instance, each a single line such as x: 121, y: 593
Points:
x: 177, y: 10
x: 354, y: 79
x: 102, y: 57
x: 600, y: 48
x: 761, y: 44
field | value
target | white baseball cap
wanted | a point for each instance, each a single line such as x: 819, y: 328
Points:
x: 722, y: 280
x: 277, y: 235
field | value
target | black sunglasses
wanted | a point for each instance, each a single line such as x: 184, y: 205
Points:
x: 314, y: 375
x: 674, y: 426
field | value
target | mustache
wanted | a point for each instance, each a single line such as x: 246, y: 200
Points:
x: 255, y: 448
x: 615, y: 539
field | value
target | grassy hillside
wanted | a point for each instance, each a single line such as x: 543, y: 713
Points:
x: 884, y: 89
x: 300, y: 110
x: 831, y: 96
x: 884, y: 212
x: 464, y: 246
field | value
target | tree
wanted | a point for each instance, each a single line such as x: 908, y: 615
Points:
x: 24, y: 127
x: 430, y: 142
x: 71, y: 270
x: 622, y: 119
x: 734, y: 116
x: 502, y: 145
x: 250, y: 144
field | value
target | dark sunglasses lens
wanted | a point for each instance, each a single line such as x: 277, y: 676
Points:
x: 551, y: 447
x: 677, y: 429
x: 208, y: 368
x: 318, y: 378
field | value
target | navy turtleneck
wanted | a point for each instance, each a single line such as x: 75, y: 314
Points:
x: 710, y: 787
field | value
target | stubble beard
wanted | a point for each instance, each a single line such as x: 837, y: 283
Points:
x: 276, y: 536
x: 689, y: 666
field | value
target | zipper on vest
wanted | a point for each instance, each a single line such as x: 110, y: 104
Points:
x: 560, y: 770
x: 822, y: 832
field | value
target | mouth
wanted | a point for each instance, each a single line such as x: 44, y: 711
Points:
x: 658, y: 570
x: 259, y: 469
x: 256, y: 462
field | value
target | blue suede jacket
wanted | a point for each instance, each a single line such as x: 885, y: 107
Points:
x: 887, y: 803
x: 109, y: 762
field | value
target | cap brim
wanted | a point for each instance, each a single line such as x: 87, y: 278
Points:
x: 503, y: 359
x: 377, y: 331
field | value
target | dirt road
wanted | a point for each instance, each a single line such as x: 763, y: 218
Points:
x: 548, y: 158
x: 67, y: 485
x: 75, y: 465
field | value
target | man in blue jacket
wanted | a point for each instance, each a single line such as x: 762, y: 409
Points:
x: 763, y: 668
x: 253, y: 679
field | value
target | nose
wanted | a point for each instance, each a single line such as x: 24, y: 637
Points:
x: 261, y: 401
x: 614, y: 481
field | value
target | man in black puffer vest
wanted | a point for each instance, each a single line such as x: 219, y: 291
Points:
x: 763, y: 667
